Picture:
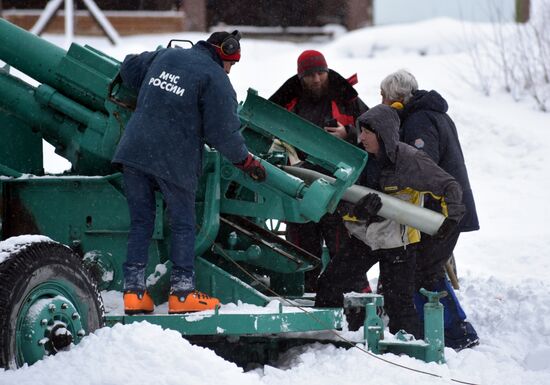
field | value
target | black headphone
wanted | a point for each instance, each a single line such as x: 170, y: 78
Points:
x: 230, y: 45
x: 182, y: 40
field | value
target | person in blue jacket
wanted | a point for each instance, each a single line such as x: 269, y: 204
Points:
x: 185, y: 99
x: 426, y: 126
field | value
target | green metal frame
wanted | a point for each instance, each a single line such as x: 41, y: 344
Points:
x: 431, y: 349
x: 216, y: 323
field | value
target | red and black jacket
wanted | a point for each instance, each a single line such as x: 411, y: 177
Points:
x: 345, y: 107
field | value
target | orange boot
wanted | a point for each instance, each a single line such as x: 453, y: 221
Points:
x: 135, y: 302
x: 194, y: 301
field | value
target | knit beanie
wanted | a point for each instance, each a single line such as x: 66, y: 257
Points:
x: 311, y: 61
x: 219, y: 40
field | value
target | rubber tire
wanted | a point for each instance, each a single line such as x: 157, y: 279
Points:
x: 31, y: 266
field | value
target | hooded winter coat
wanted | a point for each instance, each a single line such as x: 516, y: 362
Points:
x: 185, y: 99
x: 408, y: 174
x: 426, y: 126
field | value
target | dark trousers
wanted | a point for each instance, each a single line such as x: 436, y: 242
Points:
x: 346, y: 272
x: 397, y: 266
x: 430, y: 274
x: 140, y: 189
x: 433, y: 255
x: 311, y: 236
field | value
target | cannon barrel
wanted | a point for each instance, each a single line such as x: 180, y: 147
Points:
x: 89, y: 150
x: 83, y: 74
x: 28, y: 53
x: 81, y: 107
x: 402, y: 212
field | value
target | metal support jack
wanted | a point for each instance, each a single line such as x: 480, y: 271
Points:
x: 431, y: 349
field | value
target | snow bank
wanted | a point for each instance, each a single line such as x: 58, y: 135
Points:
x: 139, y: 353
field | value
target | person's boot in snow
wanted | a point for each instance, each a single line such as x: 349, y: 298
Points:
x: 136, y: 298
x: 183, y: 296
x: 459, y: 334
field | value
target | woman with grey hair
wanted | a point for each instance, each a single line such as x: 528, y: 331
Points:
x: 426, y: 125
x: 398, y: 87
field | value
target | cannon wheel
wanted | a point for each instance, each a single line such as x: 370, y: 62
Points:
x: 47, y: 301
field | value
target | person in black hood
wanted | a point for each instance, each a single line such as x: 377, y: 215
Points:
x: 324, y: 98
x: 406, y: 174
x: 426, y: 126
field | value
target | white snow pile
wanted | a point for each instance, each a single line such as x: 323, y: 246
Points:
x: 134, y: 354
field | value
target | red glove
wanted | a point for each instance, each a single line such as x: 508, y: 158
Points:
x: 253, y: 168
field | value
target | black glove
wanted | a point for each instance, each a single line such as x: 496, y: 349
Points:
x: 447, y: 228
x: 368, y: 206
x: 253, y: 168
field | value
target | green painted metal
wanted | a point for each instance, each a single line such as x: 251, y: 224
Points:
x: 28, y: 161
x: 211, y: 323
x: 271, y: 120
x: 83, y: 74
x: 46, y: 311
x: 86, y: 150
x: 226, y: 287
x: 207, y: 203
x: 431, y: 349
x: 374, y: 327
x: 270, y: 253
x: 434, y: 334
x: 35, y: 57
x: 87, y: 213
x: 8, y: 171
x: 81, y: 108
x: 373, y: 331
x: 344, y: 161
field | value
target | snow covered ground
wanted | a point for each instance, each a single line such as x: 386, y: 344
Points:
x: 503, y: 268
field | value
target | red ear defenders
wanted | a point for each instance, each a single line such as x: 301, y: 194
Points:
x: 230, y: 45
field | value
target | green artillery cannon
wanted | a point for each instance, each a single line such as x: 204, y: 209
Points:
x: 49, y: 282
x: 81, y: 108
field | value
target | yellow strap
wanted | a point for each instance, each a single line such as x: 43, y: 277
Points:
x: 290, y: 150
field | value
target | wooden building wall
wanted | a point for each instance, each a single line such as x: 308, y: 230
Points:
x: 161, y: 16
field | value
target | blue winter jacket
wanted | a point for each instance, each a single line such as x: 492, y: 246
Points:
x: 426, y: 126
x: 185, y: 100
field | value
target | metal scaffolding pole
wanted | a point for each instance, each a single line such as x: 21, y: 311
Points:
x: 53, y: 6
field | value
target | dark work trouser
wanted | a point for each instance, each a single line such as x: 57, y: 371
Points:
x: 430, y: 275
x: 432, y: 257
x: 139, y: 189
x: 346, y: 272
x: 397, y: 266
x: 310, y: 236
